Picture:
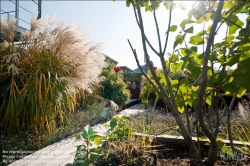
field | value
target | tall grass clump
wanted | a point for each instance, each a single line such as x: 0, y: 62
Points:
x: 41, y: 75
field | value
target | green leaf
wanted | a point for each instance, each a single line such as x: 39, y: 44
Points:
x: 88, y: 132
x: 172, y: 28
x: 208, y: 16
x: 178, y: 41
x: 220, y: 143
x: 194, y: 50
x: 113, y: 123
x: 214, y: 79
x: 196, y: 72
x: 229, y: 38
x: 97, y: 140
x: 241, y: 92
x: 147, y: 128
x: 196, y: 40
x: 244, y: 56
x: 209, y: 72
x: 167, y: 63
x: 209, y: 100
x: 174, y: 82
x: 188, y: 51
x: 155, y: 5
x: 213, y: 57
x: 227, y: 150
x: 230, y: 89
x: 209, y: 28
x: 234, y: 28
x: 125, y: 118
x: 245, y: 64
x: 181, y: 106
x: 185, y: 22
x: 128, y: 2
x: 190, y: 14
x: 244, y: 47
x: 189, y: 30
x: 84, y: 163
x: 200, y: 20
x: 173, y: 58
x: 191, y: 65
x: 233, y: 19
x: 184, y: 82
x: 195, y: 88
x: 167, y: 4
x: 245, y: 60
x: 174, y: 67
x: 232, y: 60
x: 181, y: 109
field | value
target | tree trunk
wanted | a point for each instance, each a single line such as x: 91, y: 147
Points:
x: 190, y: 143
x: 212, y: 153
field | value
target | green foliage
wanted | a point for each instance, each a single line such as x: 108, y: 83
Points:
x: 119, y: 128
x: 118, y: 136
x: 85, y: 153
x: 113, y: 86
x: 181, y: 85
x: 39, y: 81
x: 214, y: 63
x: 241, y: 132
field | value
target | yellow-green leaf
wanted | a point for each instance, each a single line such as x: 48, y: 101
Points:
x: 181, y: 109
x: 196, y: 40
x: 172, y: 28
x: 208, y: 16
x: 241, y: 92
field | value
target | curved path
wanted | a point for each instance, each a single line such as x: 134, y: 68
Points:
x: 60, y: 153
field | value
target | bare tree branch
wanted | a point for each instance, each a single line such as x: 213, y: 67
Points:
x: 169, y: 23
x: 157, y: 29
x: 138, y: 23
x: 203, y: 83
x: 167, y: 100
x: 146, y: 76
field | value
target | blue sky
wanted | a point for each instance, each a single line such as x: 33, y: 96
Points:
x: 110, y: 23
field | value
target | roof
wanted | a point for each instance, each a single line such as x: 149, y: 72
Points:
x: 144, y: 68
x: 108, y: 57
x: 126, y: 68
x: 131, y: 74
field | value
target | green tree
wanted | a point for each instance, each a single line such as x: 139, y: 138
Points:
x: 233, y: 50
x: 113, y: 87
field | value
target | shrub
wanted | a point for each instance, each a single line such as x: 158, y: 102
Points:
x: 40, y: 76
x: 113, y: 86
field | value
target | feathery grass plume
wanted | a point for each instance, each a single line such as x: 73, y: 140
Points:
x: 7, y: 28
x: 40, y: 77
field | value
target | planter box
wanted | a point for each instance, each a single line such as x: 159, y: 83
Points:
x: 179, y: 140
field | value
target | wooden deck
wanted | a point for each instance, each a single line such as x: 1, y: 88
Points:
x: 57, y: 154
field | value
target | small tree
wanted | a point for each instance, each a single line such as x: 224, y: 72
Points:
x: 113, y: 87
x: 230, y: 51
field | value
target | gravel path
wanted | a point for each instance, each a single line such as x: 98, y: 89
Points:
x: 131, y: 111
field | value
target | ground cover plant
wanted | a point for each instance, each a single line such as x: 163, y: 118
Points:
x: 198, y: 54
